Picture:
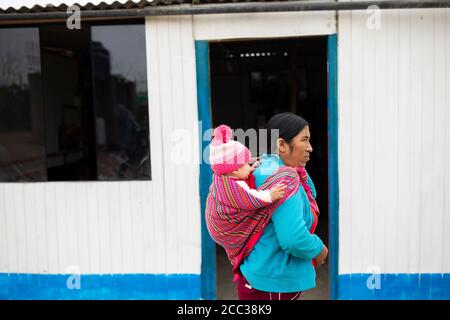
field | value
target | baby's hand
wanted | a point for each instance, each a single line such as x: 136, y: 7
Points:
x: 277, y: 192
x: 254, y: 166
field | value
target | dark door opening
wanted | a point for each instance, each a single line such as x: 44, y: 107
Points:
x: 253, y: 80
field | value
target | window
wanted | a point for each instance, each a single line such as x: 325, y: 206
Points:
x: 22, y: 148
x: 75, y: 107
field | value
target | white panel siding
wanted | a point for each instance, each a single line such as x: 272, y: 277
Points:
x: 446, y: 147
x: 414, y: 208
x: 50, y: 214
x: 99, y: 227
x: 439, y: 164
x: 4, y: 230
x: 167, y: 103
x: 263, y: 25
x: 429, y: 183
x: 356, y: 139
x: 41, y: 231
x: 344, y: 130
x: 104, y: 230
x: 155, y: 240
x: 402, y: 212
x: 115, y: 226
x: 368, y: 95
x: 394, y: 141
x: 171, y: 47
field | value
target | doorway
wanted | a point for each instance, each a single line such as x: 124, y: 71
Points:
x: 252, y: 80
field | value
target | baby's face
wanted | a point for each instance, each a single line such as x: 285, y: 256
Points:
x: 243, y: 172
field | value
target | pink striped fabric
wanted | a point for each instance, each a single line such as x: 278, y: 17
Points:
x: 312, y: 202
x: 236, y: 219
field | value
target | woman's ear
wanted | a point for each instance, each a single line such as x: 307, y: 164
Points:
x: 281, y: 144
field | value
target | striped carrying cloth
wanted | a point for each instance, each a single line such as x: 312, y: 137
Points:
x: 236, y: 219
x: 312, y: 201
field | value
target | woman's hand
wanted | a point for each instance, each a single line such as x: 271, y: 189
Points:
x: 320, y: 259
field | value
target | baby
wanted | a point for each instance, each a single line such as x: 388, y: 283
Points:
x: 231, y: 158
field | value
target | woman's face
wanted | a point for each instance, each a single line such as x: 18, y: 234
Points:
x: 296, y: 154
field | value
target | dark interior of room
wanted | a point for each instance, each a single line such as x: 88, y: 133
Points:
x: 253, y: 80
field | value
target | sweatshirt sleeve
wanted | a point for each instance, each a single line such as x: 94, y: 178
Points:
x: 292, y: 232
x: 263, y: 195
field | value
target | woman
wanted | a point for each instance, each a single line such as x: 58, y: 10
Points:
x: 279, y: 266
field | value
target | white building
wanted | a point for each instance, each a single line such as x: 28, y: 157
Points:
x: 384, y: 149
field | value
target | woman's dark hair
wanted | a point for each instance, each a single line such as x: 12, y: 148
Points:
x: 288, y: 124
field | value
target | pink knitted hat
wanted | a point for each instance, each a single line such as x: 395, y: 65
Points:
x: 226, y: 155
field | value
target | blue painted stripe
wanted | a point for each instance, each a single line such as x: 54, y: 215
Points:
x: 100, y: 287
x: 208, y: 277
x: 333, y: 176
x: 430, y: 286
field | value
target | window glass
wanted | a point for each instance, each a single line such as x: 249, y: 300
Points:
x: 120, y: 100
x: 22, y: 151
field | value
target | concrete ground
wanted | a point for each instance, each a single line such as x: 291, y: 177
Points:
x: 226, y: 289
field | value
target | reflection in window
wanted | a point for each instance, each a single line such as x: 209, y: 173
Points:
x: 120, y: 99
x: 22, y: 151
x: 68, y: 110
x: 73, y: 104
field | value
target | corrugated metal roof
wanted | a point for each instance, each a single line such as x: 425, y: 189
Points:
x: 32, y: 6
x: 18, y: 4
x: 22, y: 6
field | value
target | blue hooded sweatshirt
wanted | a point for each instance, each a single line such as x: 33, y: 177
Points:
x: 281, y: 259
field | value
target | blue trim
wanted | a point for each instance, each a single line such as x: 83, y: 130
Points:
x: 208, y: 275
x: 94, y: 286
x: 333, y: 176
x: 396, y: 287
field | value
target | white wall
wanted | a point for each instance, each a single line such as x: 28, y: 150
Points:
x: 173, y: 105
x: 101, y: 227
x: 263, y: 25
x: 394, y: 142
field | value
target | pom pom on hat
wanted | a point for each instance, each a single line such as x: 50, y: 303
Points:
x: 227, y: 155
x: 223, y: 133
